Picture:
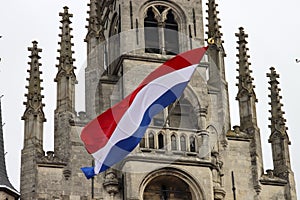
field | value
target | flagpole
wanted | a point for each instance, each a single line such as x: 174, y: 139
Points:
x: 233, y: 185
x: 92, y: 189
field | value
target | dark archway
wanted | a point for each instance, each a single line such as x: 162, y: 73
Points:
x: 167, y: 187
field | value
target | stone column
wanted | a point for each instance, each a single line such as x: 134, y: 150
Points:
x: 203, y: 144
x: 202, y: 135
x: 202, y: 113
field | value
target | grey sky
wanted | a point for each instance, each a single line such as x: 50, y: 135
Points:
x: 273, y: 27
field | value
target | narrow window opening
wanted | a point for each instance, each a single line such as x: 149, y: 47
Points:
x: 182, y: 143
x: 131, y: 15
x: 194, y: 22
x: 190, y: 37
x: 171, y: 35
x: 151, y: 141
x: 137, y: 31
x: 160, y: 141
x: 173, y: 142
x: 151, y: 33
x: 192, y: 144
x: 142, y: 143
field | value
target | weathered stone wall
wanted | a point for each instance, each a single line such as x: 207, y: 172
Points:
x: 272, y: 192
x: 67, y: 182
x: 237, y: 159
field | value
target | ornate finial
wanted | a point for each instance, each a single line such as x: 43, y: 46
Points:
x: 95, y: 26
x: 65, y: 66
x: 98, y: 17
x: 66, y: 15
x: 213, y: 22
x: 34, y: 105
x: 245, y: 79
x: 93, y: 19
x: 277, y: 119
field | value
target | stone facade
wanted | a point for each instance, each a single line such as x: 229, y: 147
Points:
x: 189, y: 150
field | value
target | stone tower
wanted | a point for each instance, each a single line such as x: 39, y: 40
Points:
x: 189, y: 150
x: 7, y: 191
x: 126, y: 41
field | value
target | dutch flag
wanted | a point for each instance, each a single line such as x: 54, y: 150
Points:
x: 111, y: 136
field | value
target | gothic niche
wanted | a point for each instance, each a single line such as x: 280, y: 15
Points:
x: 161, y: 31
x: 167, y: 187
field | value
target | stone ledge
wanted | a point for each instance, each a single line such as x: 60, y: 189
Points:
x: 266, y: 180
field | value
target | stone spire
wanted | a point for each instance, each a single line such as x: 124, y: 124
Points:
x: 216, y: 54
x: 279, y: 138
x: 93, y: 21
x: 98, y: 16
x: 247, y: 108
x: 277, y: 119
x: 5, y: 185
x: 65, y: 78
x: 246, y: 95
x: 213, y: 22
x: 34, y: 115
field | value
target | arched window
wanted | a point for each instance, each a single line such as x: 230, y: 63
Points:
x: 113, y: 46
x: 151, y: 33
x: 171, y: 35
x: 160, y: 141
x: 151, y: 140
x: 161, y: 31
x: 182, y: 143
x: 142, y: 143
x: 192, y: 144
x: 173, y: 142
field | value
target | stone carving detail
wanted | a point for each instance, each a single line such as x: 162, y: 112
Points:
x: 111, y: 183
x: 213, y: 23
x: 49, y: 158
x: 67, y: 174
x: 219, y: 192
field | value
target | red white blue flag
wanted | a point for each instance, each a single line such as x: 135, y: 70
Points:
x: 111, y: 136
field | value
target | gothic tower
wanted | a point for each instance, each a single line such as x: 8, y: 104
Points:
x: 127, y: 40
x: 189, y: 150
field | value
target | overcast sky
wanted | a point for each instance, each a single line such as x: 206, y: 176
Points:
x: 274, y: 40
